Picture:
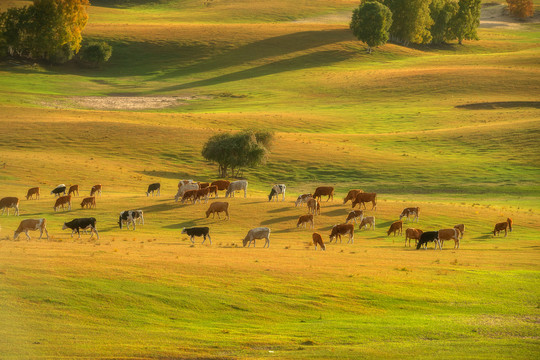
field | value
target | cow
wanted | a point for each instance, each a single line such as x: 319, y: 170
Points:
x: 304, y: 220
x: 182, y: 189
x: 83, y: 223
x: 129, y: 216
x: 324, y: 191
x: 59, y: 189
x: 203, y: 185
x: 355, y: 214
x: 396, y: 227
x: 61, y: 201
x: 351, y: 195
x: 73, y: 189
x: 221, y: 185
x: 317, y: 240
x: 188, y: 195
x: 342, y: 229
x: 302, y: 199
x: 216, y: 208
x: 202, y: 194
x: 197, y: 231
x: 153, y: 188
x: 185, y: 182
x: 237, y: 186
x: 412, y: 234
x: 449, y: 234
x: 9, y: 202
x: 363, y: 198
x: 428, y: 236
x: 95, y: 189
x: 461, y: 229
x: 276, y: 190
x: 212, y: 189
x: 368, y: 220
x: 88, y: 202
x: 408, y: 212
x: 31, y: 192
x: 31, y: 224
x: 498, y: 227
x: 314, y: 206
x: 257, y: 233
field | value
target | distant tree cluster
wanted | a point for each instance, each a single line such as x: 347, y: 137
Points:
x: 416, y: 21
x: 521, y: 8
x: 235, y: 151
x: 47, y: 30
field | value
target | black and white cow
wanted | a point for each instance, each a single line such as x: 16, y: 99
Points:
x: 428, y: 236
x: 276, y: 190
x: 83, y: 223
x: 153, y: 187
x: 130, y: 217
x: 197, y: 231
x: 59, y: 189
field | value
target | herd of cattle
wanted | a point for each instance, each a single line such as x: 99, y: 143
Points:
x: 189, y: 190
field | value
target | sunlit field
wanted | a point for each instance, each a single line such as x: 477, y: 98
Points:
x: 453, y: 130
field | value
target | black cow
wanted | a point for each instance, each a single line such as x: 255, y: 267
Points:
x: 428, y: 236
x: 60, y: 189
x: 153, y: 187
x: 83, y: 223
x: 129, y: 216
x: 197, y: 231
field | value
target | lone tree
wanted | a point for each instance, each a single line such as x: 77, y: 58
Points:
x: 370, y: 23
x: 235, y: 151
x: 466, y: 20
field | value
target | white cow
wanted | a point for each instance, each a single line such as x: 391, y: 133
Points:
x: 237, y: 186
x: 183, y: 188
x: 257, y: 233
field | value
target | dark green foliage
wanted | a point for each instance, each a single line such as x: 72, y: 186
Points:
x: 467, y: 20
x: 411, y: 21
x: 234, y: 151
x: 371, y: 22
x: 96, y: 53
x: 442, y: 12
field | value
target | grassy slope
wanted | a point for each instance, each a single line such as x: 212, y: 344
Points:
x: 386, y: 123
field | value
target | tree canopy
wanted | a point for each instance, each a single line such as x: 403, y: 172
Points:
x: 370, y: 23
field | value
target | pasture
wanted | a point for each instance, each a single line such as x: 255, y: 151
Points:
x: 453, y: 130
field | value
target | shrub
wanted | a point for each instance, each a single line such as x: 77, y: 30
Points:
x: 96, y: 53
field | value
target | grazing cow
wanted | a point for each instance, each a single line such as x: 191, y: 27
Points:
x: 237, y: 186
x: 304, y: 220
x: 342, y: 230
x: 61, y: 201
x: 257, y: 233
x: 95, y: 189
x: 129, y: 217
x: 368, y: 220
x: 449, y: 234
x: 185, y: 182
x: 302, y: 199
x: 89, y: 202
x: 324, y: 191
x: 31, y: 192
x: 182, y: 189
x: 155, y: 187
x: 317, y: 240
x: 73, y: 189
x: 9, y: 202
x: 188, y: 195
x: 429, y: 236
x: 498, y: 227
x: 31, y: 224
x: 355, y: 214
x: 363, y: 198
x: 396, y: 227
x: 83, y: 223
x: 59, y: 189
x: 276, y: 190
x: 200, y: 194
x: 413, y: 234
x: 216, y: 208
x: 408, y: 212
x: 203, y: 185
x: 197, y: 231
x: 212, y: 189
x: 314, y: 206
x: 461, y: 229
x: 221, y: 185
x: 351, y: 195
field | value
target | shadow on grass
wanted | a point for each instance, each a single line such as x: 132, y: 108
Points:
x: 279, y: 219
x: 187, y: 224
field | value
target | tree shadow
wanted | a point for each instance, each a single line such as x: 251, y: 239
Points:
x: 187, y: 224
x: 279, y: 219
x: 278, y: 210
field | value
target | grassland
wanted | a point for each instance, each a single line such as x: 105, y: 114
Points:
x: 453, y: 130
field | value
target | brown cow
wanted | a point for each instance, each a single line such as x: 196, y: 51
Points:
x: 95, y: 189
x: 212, y: 189
x: 63, y: 200
x: 9, y: 202
x: 31, y: 224
x: 302, y: 199
x: 342, y: 229
x: 189, y: 195
x: 414, y: 234
x: 368, y: 220
x: 304, y: 220
x: 73, y: 189
x: 355, y: 214
x: 324, y: 191
x: 31, y: 192
x: 498, y: 227
x: 408, y: 212
x: 221, y: 185
x: 396, y: 227
x: 351, y: 195
x: 203, y: 185
x: 317, y: 240
x: 461, y: 229
x: 202, y: 193
x: 363, y: 198
x: 449, y: 234
x: 89, y: 202
x: 314, y: 206
x: 216, y: 208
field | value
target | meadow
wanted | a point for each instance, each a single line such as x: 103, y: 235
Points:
x: 453, y: 130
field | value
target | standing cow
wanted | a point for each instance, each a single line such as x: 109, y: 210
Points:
x: 237, y: 186
x: 59, y: 189
x: 276, y: 190
x: 152, y: 188
x: 9, y: 202
x: 257, y: 233
x: 324, y: 191
x: 197, y: 231
x: 31, y: 224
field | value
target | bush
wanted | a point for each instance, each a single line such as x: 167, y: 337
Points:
x: 96, y: 53
x: 521, y: 8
